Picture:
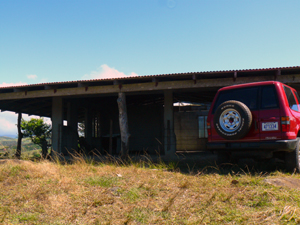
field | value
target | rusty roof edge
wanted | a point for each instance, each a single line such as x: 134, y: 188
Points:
x: 149, y: 76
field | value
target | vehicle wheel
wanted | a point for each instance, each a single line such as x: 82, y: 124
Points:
x: 232, y: 120
x: 292, y: 161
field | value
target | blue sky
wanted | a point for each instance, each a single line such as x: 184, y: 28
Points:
x: 50, y: 41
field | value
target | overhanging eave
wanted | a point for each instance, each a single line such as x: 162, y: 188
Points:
x: 140, y: 87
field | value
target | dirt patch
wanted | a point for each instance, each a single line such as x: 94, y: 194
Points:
x: 284, y: 182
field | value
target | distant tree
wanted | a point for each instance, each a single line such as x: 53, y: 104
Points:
x: 38, y: 131
x: 81, y: 129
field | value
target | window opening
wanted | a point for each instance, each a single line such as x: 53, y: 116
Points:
x: 291, y: 98
x: 202, y: 126
x: 298, y: 99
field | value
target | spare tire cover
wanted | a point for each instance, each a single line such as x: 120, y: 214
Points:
x: 232, y: 120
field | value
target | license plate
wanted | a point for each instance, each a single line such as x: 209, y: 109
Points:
x: 269, y: 126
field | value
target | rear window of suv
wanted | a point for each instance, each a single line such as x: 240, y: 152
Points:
x: 246, y: 95
x: 249, y: 96
x: 269, y: 98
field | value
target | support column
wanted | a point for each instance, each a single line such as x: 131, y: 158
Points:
x: 88, y: 122
x: 72, y: 118
x: 169, y: 134
x: 20, y: 136
x: 123, y: 124
x: 57, y: 120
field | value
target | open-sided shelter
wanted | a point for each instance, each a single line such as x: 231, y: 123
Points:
x: 158, y: 121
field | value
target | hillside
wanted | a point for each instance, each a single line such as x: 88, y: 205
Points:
x: 8, y: 147
x: 7, y: 141
x: 50, y: 193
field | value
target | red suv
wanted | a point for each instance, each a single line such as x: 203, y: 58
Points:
x: 256, y: 119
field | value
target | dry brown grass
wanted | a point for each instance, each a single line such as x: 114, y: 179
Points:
x: 82, y: 193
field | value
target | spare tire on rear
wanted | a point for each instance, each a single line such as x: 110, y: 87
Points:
x: 232, y: 120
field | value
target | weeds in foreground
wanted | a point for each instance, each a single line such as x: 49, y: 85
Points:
x: 139, y: 191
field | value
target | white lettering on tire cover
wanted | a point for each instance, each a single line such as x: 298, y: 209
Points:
x: 231, y: 134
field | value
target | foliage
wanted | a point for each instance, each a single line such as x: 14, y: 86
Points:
x: 81, y: 129
x: 37, y: 130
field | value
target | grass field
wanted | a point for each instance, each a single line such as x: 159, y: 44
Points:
x: 8, y: 148
x: 138, y: 193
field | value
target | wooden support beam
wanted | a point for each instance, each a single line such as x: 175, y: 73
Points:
x: 155, y: 80
x: 185, y: 84
x: 118, y: 83
x: 88, y: 127
x: 110, y: 136
x: 50, y: 87
x: 19, y: 89
x: 81, y: 84
x: 194, y: 77
x: 234, y: 76
x: 57, y: 123
x: 20, y: 136
x: 85, y: 85
x: 123, y: 123
x: 26, y: 107
x: 277, y: 73
x: 169, y: 135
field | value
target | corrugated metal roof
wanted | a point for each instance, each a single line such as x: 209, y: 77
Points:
x: 154, y: 76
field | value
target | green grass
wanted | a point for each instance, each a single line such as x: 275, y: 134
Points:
x: 141, y: 193
x: 133, y: 194
x: 101, y: 181
x: 27, y: 218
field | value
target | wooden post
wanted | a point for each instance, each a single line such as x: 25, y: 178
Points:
x: 88, y: 128
x: 123, y: 123
x: 170, y: 138
x: 57, y: 123
x: 72, y: 118
x: 110, y: 137
x: 20, y: 136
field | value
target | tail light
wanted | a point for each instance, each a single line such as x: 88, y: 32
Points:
x: 285, y: 124
x: 208, y: 129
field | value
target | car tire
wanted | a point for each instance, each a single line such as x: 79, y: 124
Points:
x: 232, y: 120
x: 292, y: 161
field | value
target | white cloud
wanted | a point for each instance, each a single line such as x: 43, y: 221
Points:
x: 8, y: 121
x: 105, y: 71
x: 32, y: 76
x: 11, y: 84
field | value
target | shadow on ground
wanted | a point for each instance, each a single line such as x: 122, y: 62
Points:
x: 205, y: 162
x: 185, y: 162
